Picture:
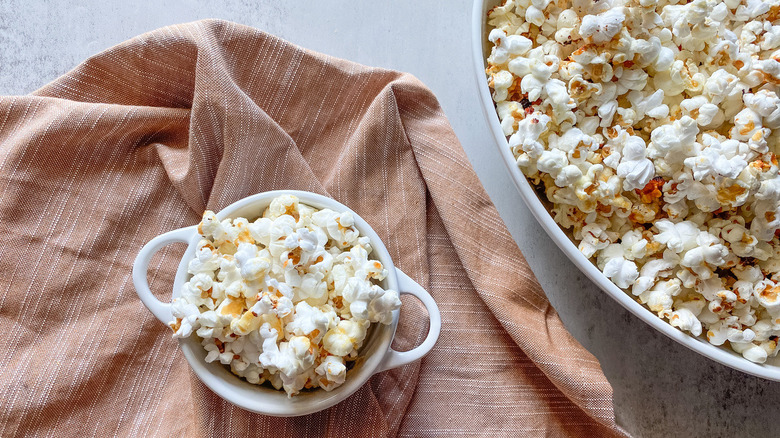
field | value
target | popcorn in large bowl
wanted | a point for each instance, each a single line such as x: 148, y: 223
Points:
x: 651, y: 129
x: 284, y: 302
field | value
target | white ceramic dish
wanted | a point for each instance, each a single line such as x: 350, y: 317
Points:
x: 480, y: 51
x: 376, y: 352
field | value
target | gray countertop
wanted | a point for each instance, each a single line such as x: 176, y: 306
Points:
x: 661, y: 388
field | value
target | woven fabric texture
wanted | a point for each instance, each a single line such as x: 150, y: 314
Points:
x: 140, y: 139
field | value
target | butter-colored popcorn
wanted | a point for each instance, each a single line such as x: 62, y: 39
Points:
x: 186, y: 315
x: 767, y: 293
x: 311, y: 321
x: 287, y: 298
x: 346, y: 337
x: 746, y: 123
x: 650, y: 127
x: 661, y: 297
x: 766, y: 104
x: 293, y: 360
x: 685, y: 320
x: 700, y: 109
x: 333, y: 372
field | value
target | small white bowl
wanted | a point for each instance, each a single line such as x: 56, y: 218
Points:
x: 480, y: 51
x: 376, y: 352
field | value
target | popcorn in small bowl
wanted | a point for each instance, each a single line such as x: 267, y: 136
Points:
x: 301, y: 297
x: 287, y: 298
x: 651, y: 127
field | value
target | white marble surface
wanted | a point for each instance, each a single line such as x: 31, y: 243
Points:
x: 661, y: 388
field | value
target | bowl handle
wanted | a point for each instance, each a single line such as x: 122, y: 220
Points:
x: 160, y: 310
x: 394, y: 358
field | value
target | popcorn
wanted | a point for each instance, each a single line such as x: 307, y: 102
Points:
x: 685, y: 320
x: 719, y: 86
x: 292, y: 360
x: 501, y: 83
x: 653, y: 270
x: 568, y: 175
x: 634, y: 166
x: 501, y: 54
x: 677, y: 236
x: 717, y: 159
x: 603, y: 27
x: 700, y: 109
x: 186, y: 315
x: 594, y: 238
x: 310, y: 321
x: 769, y: 67
x: 660, y: 298
x: 651, y: 105
x: 288, y: 298
x: 561, y: 102
x: 750, y: 351
x: 746, y: 124
x: 650, y: 127
x: 622, y: 272
x: 709, y: 253
x: 767, y: 293
x: 552, y: 162
x: 205, y: 260
x: 343, y: 339
x: 333, y: 372
x: 673, y: 140
x: 766, y: 104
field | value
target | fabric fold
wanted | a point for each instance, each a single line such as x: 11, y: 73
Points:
x: 141, y: 138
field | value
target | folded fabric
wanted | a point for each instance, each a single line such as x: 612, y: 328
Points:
x: 143, y: 137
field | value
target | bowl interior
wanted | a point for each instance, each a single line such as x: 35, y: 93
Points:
x: 540, y: 209
x: 264, y: 399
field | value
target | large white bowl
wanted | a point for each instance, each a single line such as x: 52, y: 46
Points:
x: 376, y: 354
x: 480, y: 51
